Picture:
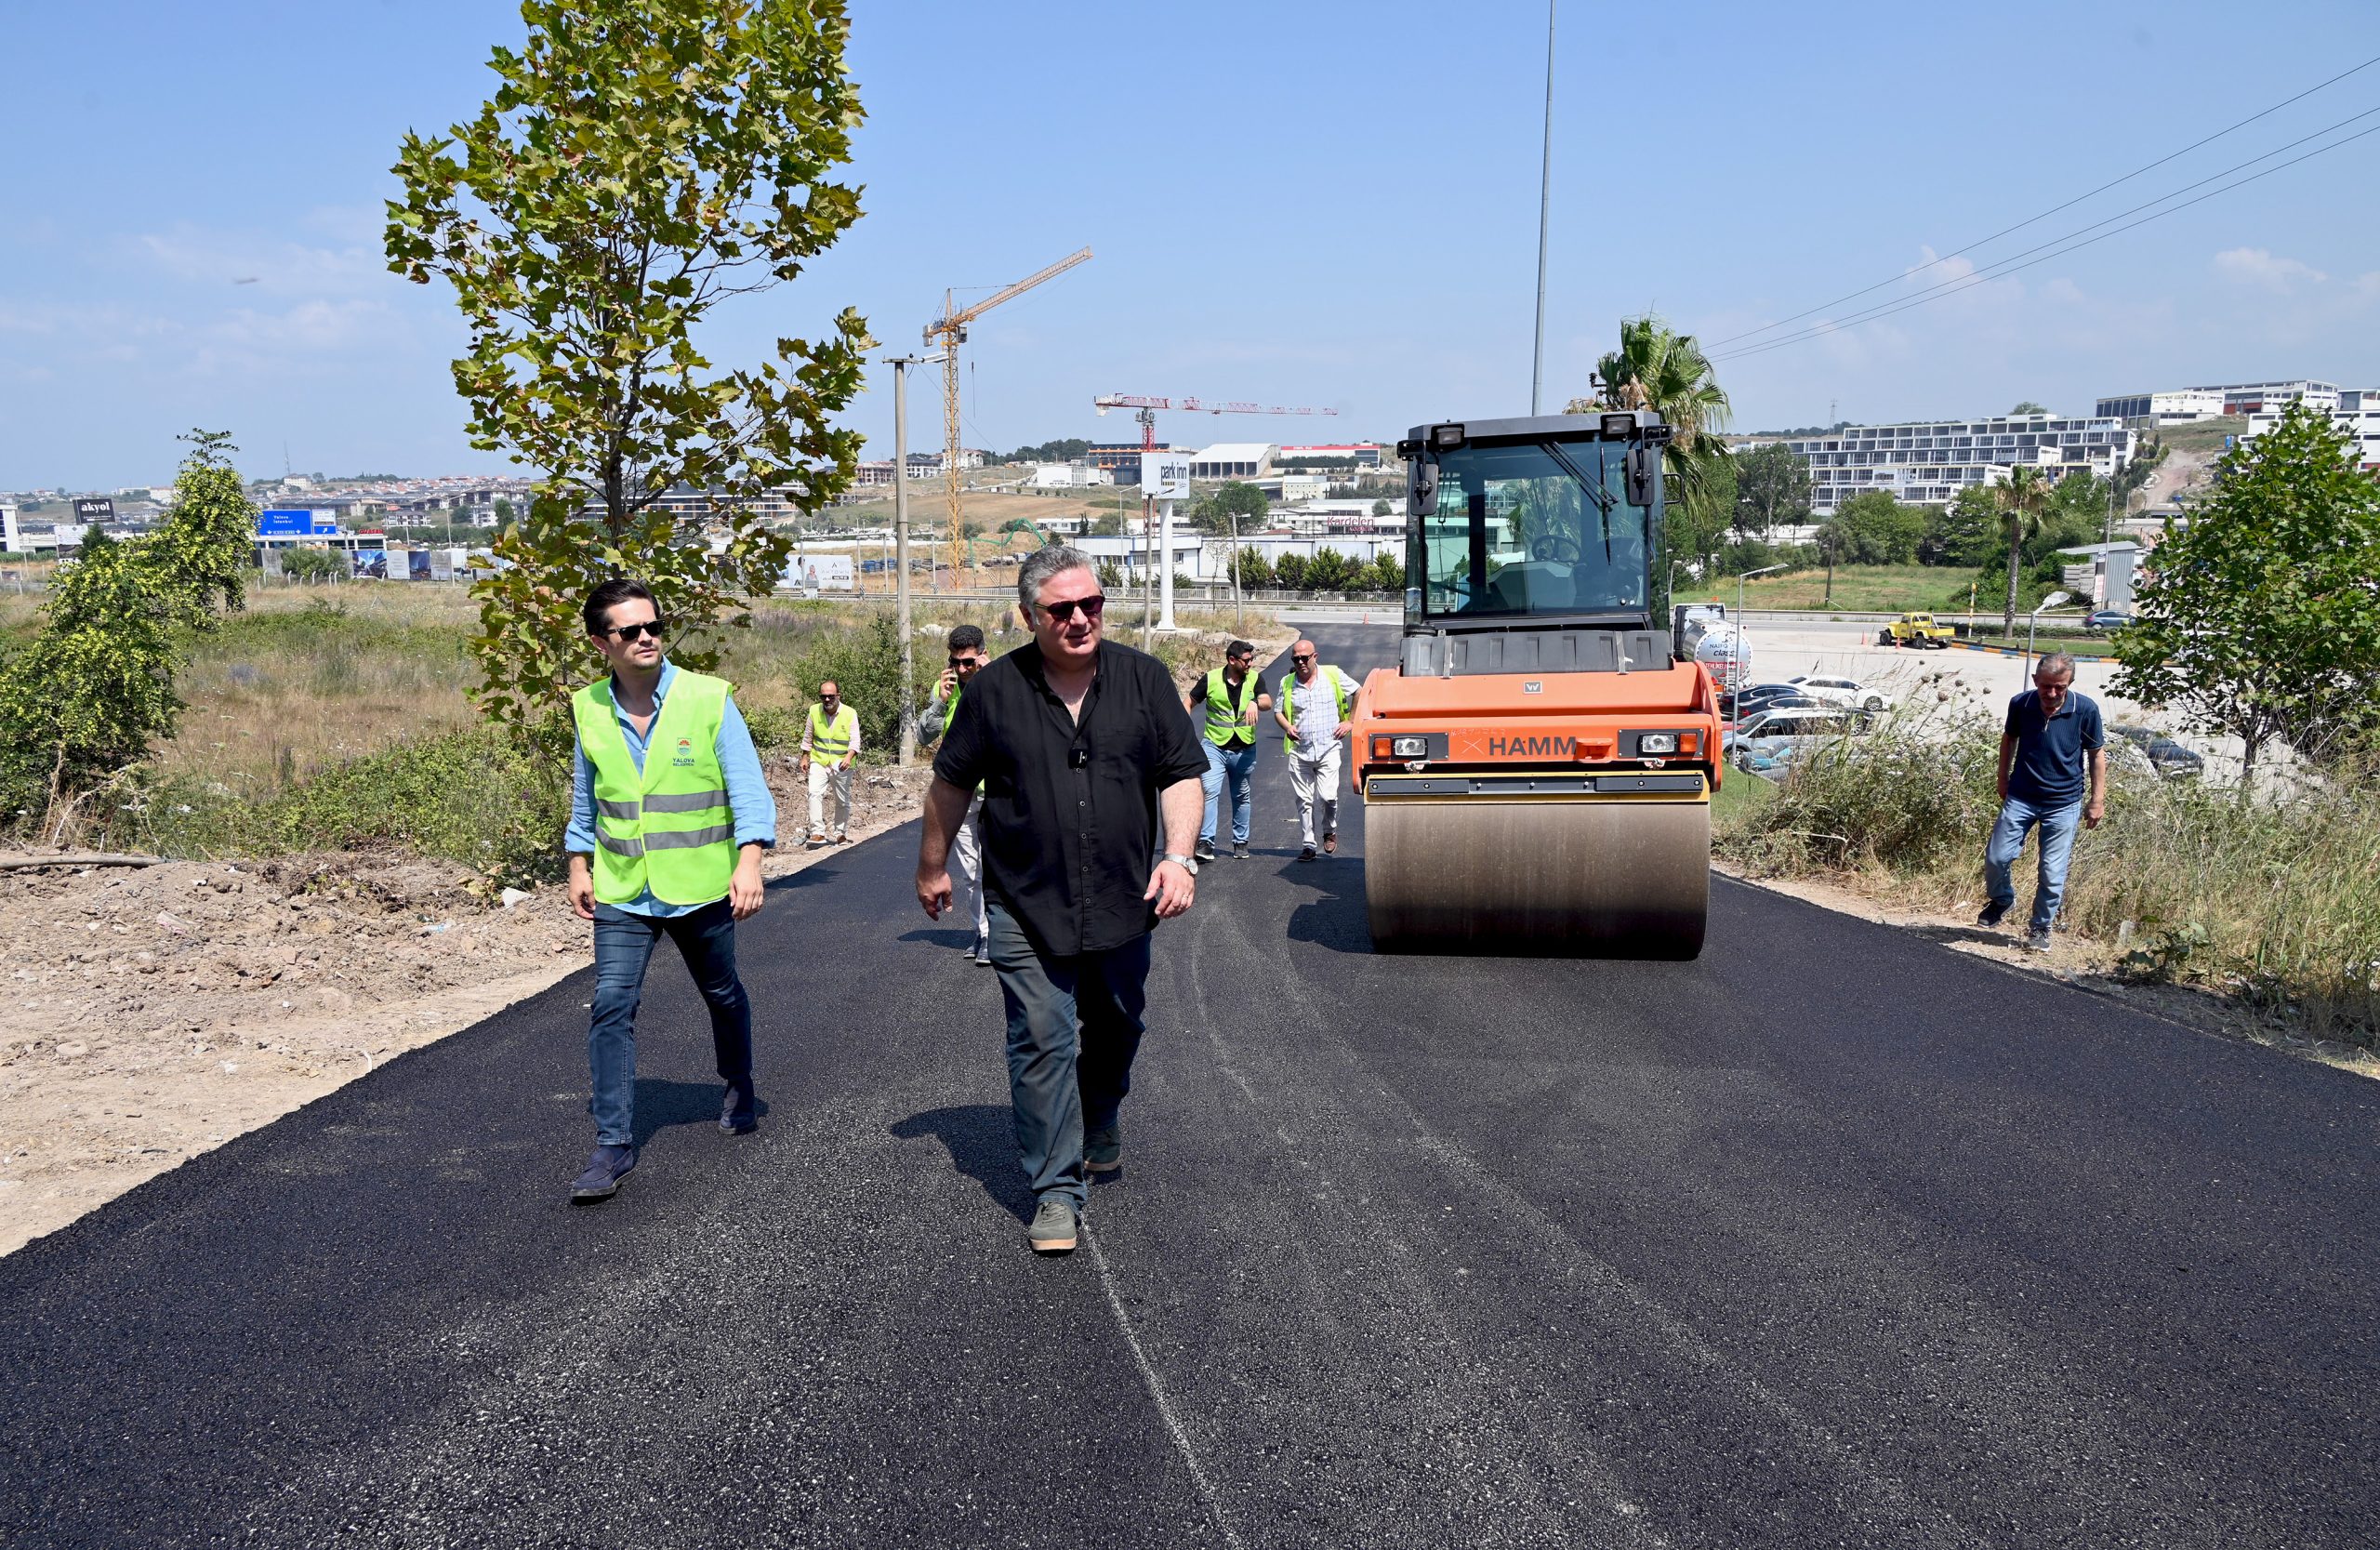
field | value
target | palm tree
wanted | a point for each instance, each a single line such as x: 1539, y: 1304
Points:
x: 1661, y: 369
x: 2024, y: 499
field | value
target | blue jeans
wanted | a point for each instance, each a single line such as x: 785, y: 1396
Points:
x: 2058, y: 826
x: 1074, y: 1024
x: 624, y: 944
x: 1239, y: 764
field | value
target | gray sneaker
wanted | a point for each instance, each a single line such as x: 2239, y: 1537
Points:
x: 1102, y: 1151
x: 2037, y: 941
x: 1055, y: 1226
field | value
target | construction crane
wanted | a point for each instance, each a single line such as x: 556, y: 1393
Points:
x: 1149, y: 406
x: 949, y: 331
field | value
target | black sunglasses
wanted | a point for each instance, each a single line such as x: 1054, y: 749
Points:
x: 634, y: 631
x: 1092, y: 606
x: 963, y: 662
x: 1300, y: 658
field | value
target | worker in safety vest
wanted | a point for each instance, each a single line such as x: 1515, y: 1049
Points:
x: 967, y: 654
x: 830, y: 748
x: 669, y: 816
x: 1227, y: 700
x: 1312, y: 708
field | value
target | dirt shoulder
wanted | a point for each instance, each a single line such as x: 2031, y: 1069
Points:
x: 149, y: 1013
x: 2079, y: 962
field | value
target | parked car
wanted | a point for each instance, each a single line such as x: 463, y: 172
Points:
x: 1769, y: 730
x: 2106, y: 618
x: 2156, y: 750
x: 1737, y: 704
x: 1840, y: 691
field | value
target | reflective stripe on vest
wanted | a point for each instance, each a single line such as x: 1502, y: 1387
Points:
x: 1290, y: 703
x: 833, y: 739
x: 667, y: 828
x: 1225, y: 726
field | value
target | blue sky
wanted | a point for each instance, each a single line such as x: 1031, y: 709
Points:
x: 1325, y: 203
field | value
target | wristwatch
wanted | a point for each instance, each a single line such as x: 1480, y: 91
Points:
x: 1187, y: 862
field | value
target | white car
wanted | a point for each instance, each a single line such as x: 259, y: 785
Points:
x: 1841, y: 691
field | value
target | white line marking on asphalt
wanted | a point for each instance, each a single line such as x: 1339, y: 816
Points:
x: 1164, y: 1407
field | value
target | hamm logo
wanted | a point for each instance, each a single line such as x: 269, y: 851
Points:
x: 1532, y: 747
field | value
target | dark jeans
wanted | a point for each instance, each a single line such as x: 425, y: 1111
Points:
x: 624, y: 943
x: 1074, y: 1024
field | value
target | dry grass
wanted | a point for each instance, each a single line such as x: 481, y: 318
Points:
x: 2272, y: 899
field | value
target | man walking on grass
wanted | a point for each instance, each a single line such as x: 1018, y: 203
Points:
x: 2054, y: 774
x: 1079, y: 744
x: 967, y: 656
x: 830, y: 748
x: 1313, y: 710
x: 669, y: 816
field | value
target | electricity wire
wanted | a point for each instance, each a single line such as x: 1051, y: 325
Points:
x: 2028, y: 220
x: 2009, y: 265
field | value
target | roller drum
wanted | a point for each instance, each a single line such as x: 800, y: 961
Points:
x: 1624, y: 879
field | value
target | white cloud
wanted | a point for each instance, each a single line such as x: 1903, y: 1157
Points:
x: 2259, y: 267
x: 210, y: 257
x: 2064, y: 290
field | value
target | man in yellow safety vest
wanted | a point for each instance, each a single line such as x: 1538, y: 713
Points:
x: 668, y: 816
x: 968, y: 655
x: 830, y: 748
x: 1228, y: 699
x: 1313, y: 710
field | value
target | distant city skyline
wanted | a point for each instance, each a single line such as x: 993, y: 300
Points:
x: 1329, y: 205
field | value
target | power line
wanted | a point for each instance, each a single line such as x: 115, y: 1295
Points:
x: 1961, y: 251
x: 2008, y: 266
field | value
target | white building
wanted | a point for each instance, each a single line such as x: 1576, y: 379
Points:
x: 2225, y: 397
x: 2353, y: 410
x: 1067, y: 476
x: 1234, y: 460
x: 1928, y: 462
x: 1363, y: 454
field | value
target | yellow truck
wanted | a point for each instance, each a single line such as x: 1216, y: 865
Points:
x: 1916, y: 629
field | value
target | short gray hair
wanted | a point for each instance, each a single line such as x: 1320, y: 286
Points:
x: 1043, y: 564
x: 2054, y: 663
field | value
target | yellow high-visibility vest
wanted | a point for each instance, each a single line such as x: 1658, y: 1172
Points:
x: 667, y: 826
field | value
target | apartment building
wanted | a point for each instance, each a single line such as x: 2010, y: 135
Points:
x: 1928, y: 462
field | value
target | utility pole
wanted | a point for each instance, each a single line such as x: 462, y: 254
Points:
x: 1238, y: 599
x: 1545, y: 205
x: 1148, y: 579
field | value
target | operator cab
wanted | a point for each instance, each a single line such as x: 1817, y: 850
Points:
x: 1534, y: 546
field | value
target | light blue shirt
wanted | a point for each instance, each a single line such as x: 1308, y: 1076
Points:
x: 748, y: 794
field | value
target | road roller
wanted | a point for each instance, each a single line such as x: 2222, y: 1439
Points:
x: 1536, y: 768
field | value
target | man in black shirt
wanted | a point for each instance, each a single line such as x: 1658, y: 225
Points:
x: 1079, y: 742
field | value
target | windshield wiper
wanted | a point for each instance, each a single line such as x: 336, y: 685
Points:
x: 1603, y: 498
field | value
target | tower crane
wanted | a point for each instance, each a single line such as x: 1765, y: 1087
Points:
x: 949, y: 331
x: 1149, y: 406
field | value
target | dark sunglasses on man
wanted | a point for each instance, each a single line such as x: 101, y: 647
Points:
x: 1301, y: 661
x: 1092, y: 606
x: 627, y: 632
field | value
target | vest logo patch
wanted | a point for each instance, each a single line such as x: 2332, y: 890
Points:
x: 685, y: 758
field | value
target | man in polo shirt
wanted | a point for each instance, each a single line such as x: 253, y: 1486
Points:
x: 669, y: 816
x: 1079, y: 744
x: 2054, y: 774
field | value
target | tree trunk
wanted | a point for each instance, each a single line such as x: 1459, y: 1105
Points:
x: 2016, y: 559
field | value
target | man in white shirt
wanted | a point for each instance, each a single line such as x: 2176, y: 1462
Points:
x: 1311, y: 709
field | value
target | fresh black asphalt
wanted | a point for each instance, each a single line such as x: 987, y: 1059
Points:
x: 1832, y: 1237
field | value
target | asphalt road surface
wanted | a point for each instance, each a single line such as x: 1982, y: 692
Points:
x: 1832, y: 1237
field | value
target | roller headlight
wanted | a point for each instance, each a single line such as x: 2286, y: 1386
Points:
x: 1651, y: 743
x: 1409, y: 747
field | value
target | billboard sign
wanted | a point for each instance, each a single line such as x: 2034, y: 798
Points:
x: 417, y: 565
x: 298, y: 523
x: 369, y: 564
x: 95, y: 509
x: 1165, y: 475
x: 816, y: 573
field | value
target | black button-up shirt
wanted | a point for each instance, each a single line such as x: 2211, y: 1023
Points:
x: 1069, y: 821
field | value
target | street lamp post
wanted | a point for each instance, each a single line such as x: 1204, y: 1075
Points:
x: 1733, y: 670
x: 2031, y: 621
x: 901, y: 365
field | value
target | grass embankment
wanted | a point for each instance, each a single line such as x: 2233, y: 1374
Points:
x: 343, y: 723
x: 2274, y: 900
x: 1873, y: 589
